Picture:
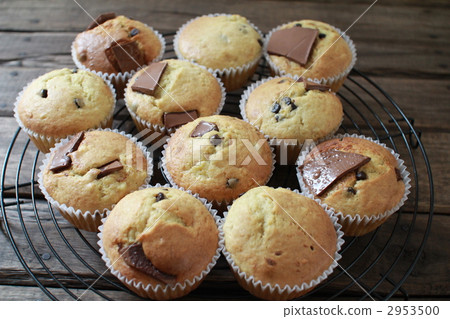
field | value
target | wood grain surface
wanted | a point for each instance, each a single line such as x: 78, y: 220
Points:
x: 405, y: 55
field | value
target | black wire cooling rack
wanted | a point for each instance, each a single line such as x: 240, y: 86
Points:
x: 65, y: 264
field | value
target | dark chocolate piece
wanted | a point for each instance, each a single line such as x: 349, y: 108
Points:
x: 325, y: 168
x: 293, y: 106
x: 78, y: 102
x: 294, y: 43
x: 134, y: 32
x: 61, y: 160
x: 298, y: 24
x: 215, y: 140
x: 74, y: 70
x: 232, y: 182
x: 125, y: 55
x: 315, y: 86
x: 398, y: 174
x: 134, y: 256
x: 160, y: 196
x: 360, y: 176
x: 322, y: 35
x: 204, y: 127
x: 101, y: 19
x: 261, y: 43
x: 276, y: 107
x: 278, y: 253
x: 147, y: 82
x: 109, y: 168
x: 281, y: 81
x: 270, y: 262
x: 277, y: 118
x: 287, y: 100
x: 351, y: 190
x: 44, y: 93
x: 179, y: 118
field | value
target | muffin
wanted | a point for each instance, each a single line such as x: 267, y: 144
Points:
x: 62, y: 103
x: 218, y: 157
x: 161, y: 242
x: 116, y: 46
x: 280, y: 244
x: 362, y: 180
x: 161, y: 92
x: 227, y: 43
x: 86, y: 175
x: 291, y: 112
x: 325, y: 54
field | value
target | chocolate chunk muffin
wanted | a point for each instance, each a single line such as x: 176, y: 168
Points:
x: 62, y: 103
x: 280, y: 244
x: 86, y: 175
x: 291, y: 110
x: 166, y: 89
x: 114, y: 46
x: 161, y: 242
x: 218, y: 157
x: 325, y: 54
x: 363, y: 181
x: 226, y: 43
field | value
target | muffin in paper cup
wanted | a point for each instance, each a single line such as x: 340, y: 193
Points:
x: 220, y: 149
x: 141, y: 44
x: 291, y: 111
x: 233, y: 51
x: 179, y: 91
x: 322, y: 65
x: 84, y: 195
x: 269, y: 264
x: 73, y: 110
x: 376, y: 183
x: 188, y: 232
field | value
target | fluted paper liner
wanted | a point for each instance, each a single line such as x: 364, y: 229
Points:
x: 279, y: 143
x: 143, y: 125
x: 45, y: 143
x: 233, y: 78
x: 271, y: 291
x: 167, y: 291
x: 119, y: 79
x: 334, y: 81
x: 219, y: 205
x: 358, y: 225
x: 88, y: 220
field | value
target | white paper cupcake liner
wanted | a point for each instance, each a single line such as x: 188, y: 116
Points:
x: 120, y: 79
x: 233, y: 77
x: 45, y: 143
x: 142, y: 124
x: 358, y: 225
x: 162, y: 291
x: 221, y: 206
x: 335, y: 81
x: 275, y: 291
x: 88, y: 220
x: 292, y: 150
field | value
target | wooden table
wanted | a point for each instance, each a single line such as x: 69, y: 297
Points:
x: 402, y: 45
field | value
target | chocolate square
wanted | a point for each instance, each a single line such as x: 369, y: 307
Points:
x: 294, y: 43
x: 125, y: 56
x: 202, y: 128
x: 61, y: 161
x: 147, y: 82
x: 101, y: 19
x: 179, y: 118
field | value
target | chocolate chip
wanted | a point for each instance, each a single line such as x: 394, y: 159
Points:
x: 298, y: 24
x: 281, y: 81
x: 287, y: 100
x: 351, y: 190
x: 215, y: 140
x: 44, y: 93
x: 160, y: 196
x: 360, y: 176
x: 322, y: 35
x: 276, y: 107
x: 134, y: 32
x: 202, y: 128
x: 278, y: 253
x: 270, y: 262
x: 261, y: 43
x: 109, y: 168
x: 232, y: 182
x: 78, y: 102
x: 277, y: 118
x: 311, y: 247
x: 398, y: 174
x: 134, y: 256
x: 293, y: 106
x: 75, y: 70
x: 61, y: 160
